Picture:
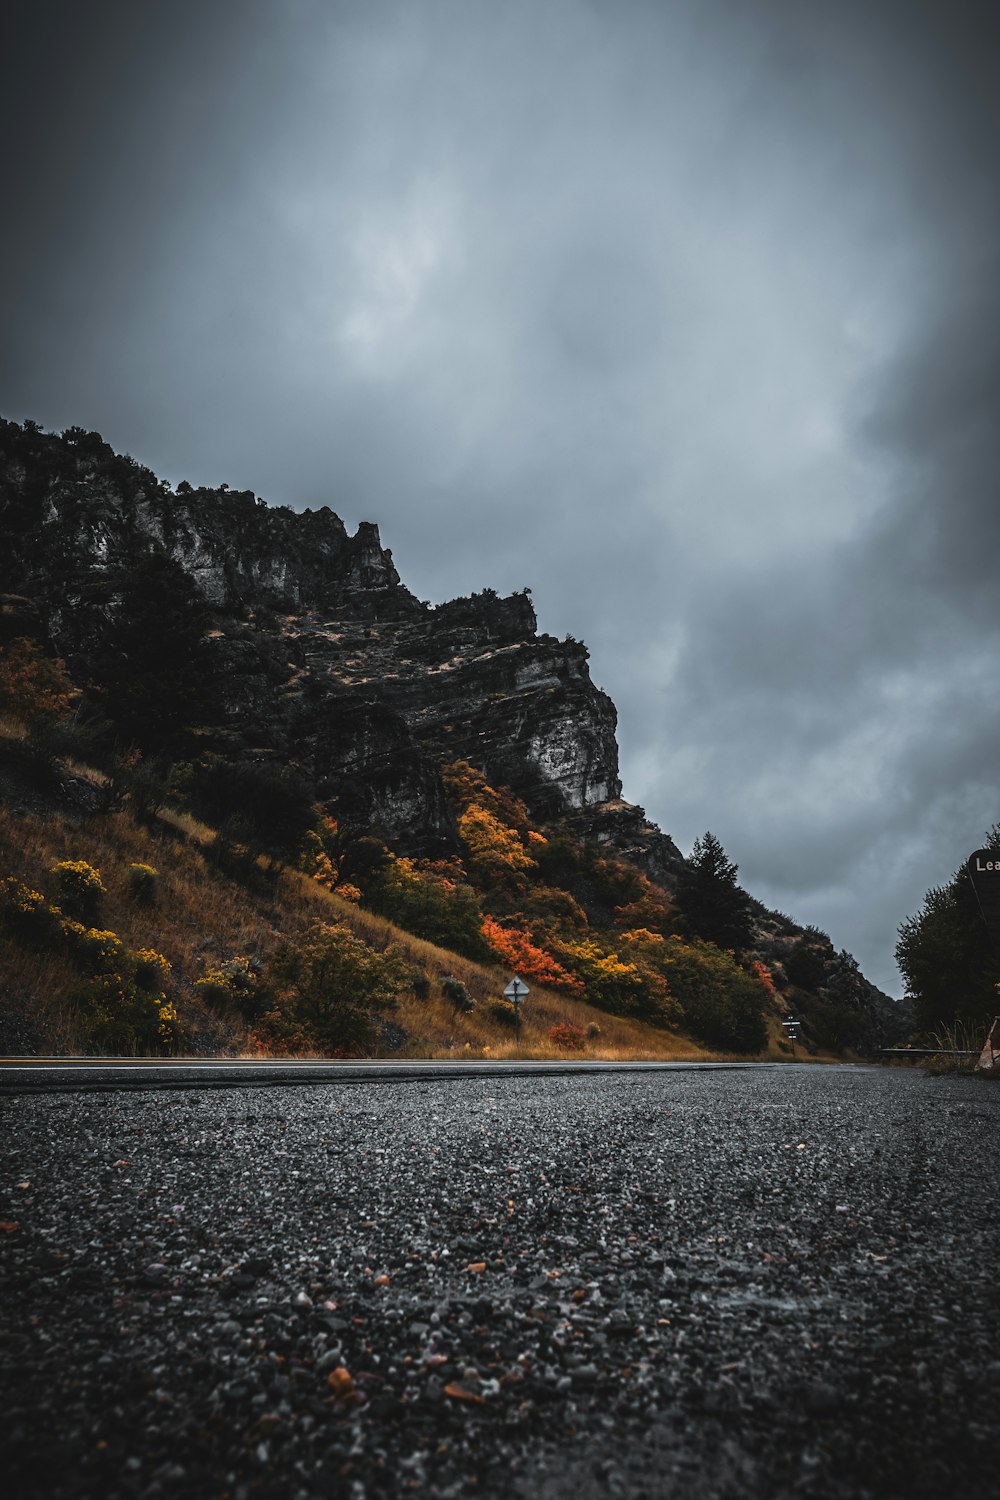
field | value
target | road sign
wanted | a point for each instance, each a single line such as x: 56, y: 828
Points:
x: 791, y: 1026
x: 515, y: 992
x: 984, y: 872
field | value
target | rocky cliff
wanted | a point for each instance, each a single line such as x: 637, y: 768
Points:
x: 319, y: 649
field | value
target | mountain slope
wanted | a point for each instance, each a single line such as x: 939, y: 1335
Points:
x: 449, y: 767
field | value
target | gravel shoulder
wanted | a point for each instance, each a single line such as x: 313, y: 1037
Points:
x: 707, y: 1284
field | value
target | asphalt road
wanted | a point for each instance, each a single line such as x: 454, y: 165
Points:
x: 36, y: 1074
x: 705, y: 1284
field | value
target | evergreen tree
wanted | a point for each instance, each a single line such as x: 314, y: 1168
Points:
x: 711, y: 904
x: 948, y: 963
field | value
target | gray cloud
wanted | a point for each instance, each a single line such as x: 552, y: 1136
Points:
x: 683, y: 314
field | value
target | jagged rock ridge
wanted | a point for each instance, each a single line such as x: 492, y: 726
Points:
x: 371, y: 687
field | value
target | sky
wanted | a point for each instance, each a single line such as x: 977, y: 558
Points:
x: 684, y: 315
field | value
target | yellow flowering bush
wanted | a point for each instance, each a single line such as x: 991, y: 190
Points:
x: 152, y: 970
x: 120, y: 1017
x: 26, y: 913
x: 81, y: 889
x: 94, y: 951
x: 121, y: 997
x: 168, y: 1025
x: 235, y: 982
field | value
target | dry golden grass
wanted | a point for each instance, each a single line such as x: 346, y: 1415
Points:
x: 12, y: 726
x: 202, y: 916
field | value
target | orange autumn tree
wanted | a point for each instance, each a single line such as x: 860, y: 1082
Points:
x: 626, y: 986
x: 496, y: 852
x: 466, y: 787
x: 33, y: 684
x: 513, y: 946
x: 649, y: 908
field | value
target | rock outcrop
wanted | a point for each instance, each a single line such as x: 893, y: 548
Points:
x: 320, y: 651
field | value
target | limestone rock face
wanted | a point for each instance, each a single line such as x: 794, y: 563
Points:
x: 474, y: 681
x: 236, y: 549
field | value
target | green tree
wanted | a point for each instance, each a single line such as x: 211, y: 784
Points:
x: 948, y: 963
x: 805, y: 963
x: 331, y: 988
x: 712, y: 905
x: 722, y: 1004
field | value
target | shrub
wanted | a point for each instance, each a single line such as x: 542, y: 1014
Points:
x: 92, y: 950
x: 81, y: 890
x: 593, y: 1031
x: 765, y: 976
x: 120, y: 1017
x: 330, y: 986
x: 567, y: 1037
x: 32, y: 683
x: 495, y: 849
x: 503, y: 1014
x: 462, y: 1003
x: 148, y: 789
x: 235, y: 982
x: 167, y: 1022
x: 513, y: 945
x: 27, y: 915
x: 143, y: 884
x: 432, y: 902
x: 278, y: 1034
x: 633, y: 986
x: 317, y: 860
x: 421, y: 985
x: 151, y: 970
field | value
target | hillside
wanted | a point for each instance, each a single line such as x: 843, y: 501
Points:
x: 205, y: 923
x: 199, y: 655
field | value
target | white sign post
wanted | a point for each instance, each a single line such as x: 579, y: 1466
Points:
x: 791, y: 1026
x: 515, y: 992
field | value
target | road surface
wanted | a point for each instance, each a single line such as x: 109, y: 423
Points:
x: 34, y: 1074
x: 702, y: 1284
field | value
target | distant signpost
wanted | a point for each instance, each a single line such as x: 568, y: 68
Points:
x: 515, y: 992
x: 791, y: 1026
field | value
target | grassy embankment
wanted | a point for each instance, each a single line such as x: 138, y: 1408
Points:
x: 203, y: 917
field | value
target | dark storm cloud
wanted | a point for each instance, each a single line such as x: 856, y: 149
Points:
x: 682, y: 313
